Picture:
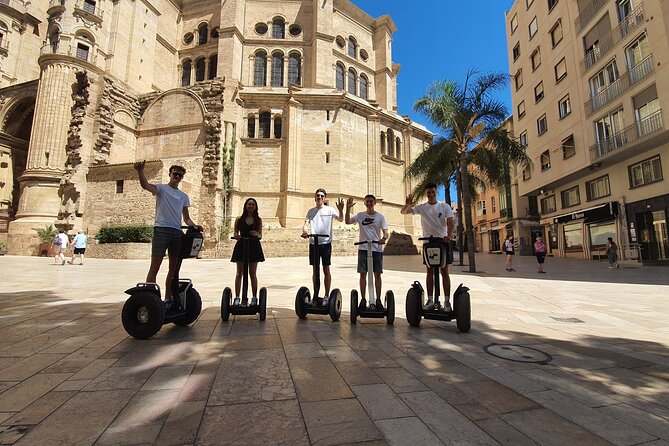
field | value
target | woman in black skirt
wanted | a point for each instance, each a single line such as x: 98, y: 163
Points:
x: 249, y: 224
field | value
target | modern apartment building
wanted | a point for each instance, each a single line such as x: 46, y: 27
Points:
x: 590, y: 83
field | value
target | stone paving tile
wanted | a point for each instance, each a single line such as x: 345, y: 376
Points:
x: 644, y: 421
x: 357, y: 373
x: 338, y: 421
x: 513, y: 380
x: 406, y: 431
x: 504, y: 433
x: 182, y: 424
x: 342, y: 354
x: 301, y: 351
x: 251, y: 326
x: 11, y: 434
x: 448, y: 424
x: 93, y: 369
x: 455, y: 372
x: 475, y: 411
x: 253, y: 424
x: 37, y: 411
x: 381, y: 402
x: 496, y: 397
x: 199, y: 383
x: 4, y: 385
x: 309, y: 376
x: 23, y: 394
x: 448, y: 391
x: 71, y: 384
x: 399, y: 380
x: 291, y: 334
x: 375, y: 358
x: 167, y: 378
x: 249, y: 376
x: 252, y: 342
x: 115, y: 378
x: 329, y: 339
x: 27, y: 367
x: 76, y: 360
x: 564, y: 386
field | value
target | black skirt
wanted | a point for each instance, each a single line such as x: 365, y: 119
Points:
x: 255, y: 251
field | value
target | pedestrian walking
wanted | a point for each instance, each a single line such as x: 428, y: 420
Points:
x: 79, y: 243
x: 60, y: 242
x: 508, y: 250
x: 612, y: 253
x: 540, y: 252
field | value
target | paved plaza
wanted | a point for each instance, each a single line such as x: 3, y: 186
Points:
x: 577, y: 356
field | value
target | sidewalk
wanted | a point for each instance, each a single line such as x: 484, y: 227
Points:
x: 583, y: 360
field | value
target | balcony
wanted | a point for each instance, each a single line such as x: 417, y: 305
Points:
x: 88, y: 11
x: 635, y: 75
x: 4, y: 46
x: 588, y: 13
x: 506, y: 214
x: 643, y: 130
x: 56, y: 7
x: 609, y: 42
x: 65, y: 49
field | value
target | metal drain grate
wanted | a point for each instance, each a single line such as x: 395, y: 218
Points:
x: 569, y: 320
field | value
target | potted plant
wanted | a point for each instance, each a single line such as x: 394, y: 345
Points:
x: 3, y: 248
x: 46, y: 236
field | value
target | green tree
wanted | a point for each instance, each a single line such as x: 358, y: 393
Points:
x: 469, y: 119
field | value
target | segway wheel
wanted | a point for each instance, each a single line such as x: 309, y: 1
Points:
x: 463, y: 309
x: 143, y: 314
x: 335, y: 304
x: 262, y: 302
x: 390, y: 307
x: 413, y: 307
x: 302, y: 297
x: 226, y: 301
x: 193, y: 308
x: 354, y: 306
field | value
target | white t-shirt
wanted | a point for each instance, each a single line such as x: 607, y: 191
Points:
x: 64, y: 240
x: 433, y: 218
x: 169, y: 206
x: 320, y: 221
x: 79, y: 241
x: 371, y: 227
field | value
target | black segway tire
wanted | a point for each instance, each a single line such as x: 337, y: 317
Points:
x: 193, y: 308
x: 390, y: 307
x: 303, y: 296
x: 463, y: 310
x: 354, y: 306
x: 226, y: 301
x: 335, y: 304
x: 143, y: 315
x: 262, y: 303
x: 413, y: 307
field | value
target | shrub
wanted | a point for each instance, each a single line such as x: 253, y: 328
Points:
x: 125, y: 234
x: 3, y: 246
x: 46, y: 234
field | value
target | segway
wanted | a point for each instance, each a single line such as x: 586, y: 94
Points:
x: 260, y: 308
x: 373, y: 310
x: 435, y: 257
x: 305, y: 305
x: 144, y: 313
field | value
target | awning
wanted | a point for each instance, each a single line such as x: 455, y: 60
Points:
x: 596, y: 213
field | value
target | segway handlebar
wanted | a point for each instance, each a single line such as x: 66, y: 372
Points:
x: 432, y: 239
x: 365, y: 242
x: 197, y: 228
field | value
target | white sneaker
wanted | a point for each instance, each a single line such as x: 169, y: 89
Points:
x: 610, y: 267
x: 236, y: 302
x: 447, y: 306
x: 429, y: 305
x: 254, y: 301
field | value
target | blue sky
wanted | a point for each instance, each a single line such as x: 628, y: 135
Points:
x: 442, y: 39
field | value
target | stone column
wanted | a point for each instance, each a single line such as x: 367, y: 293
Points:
x: 290, y: 214
x: 285, y: 71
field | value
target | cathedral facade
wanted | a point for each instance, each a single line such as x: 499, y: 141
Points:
x: 269, y: 99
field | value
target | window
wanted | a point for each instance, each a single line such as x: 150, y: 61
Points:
x: 536, y: 58
x: 493, y: 204
x: 89, y: 6
x: 539, y: 92
x: 608, y: 131
x: 364, y: 87
x: 542, y: 125
x: 604, y: 78
x: 573, y: 237
x: 265, y: 124
x: 523, y: 139
x: 295, y: 30
x: 202, y: 34
x: 340, y: 77
x: 645, y: 172
x: 480, y: 208
x: 521, y: 110
x: 277, y: 127
x: 548, y: 204
x: 527, y: 173
x: 514, y: 23
x: 215, y: 33
x: 352, y: 81
x: 119, y: 186
x: 556, y: 33
x: 327, y: 138
x: 545, y: 160
x: 625, y: 8
x: 564, y: 107
x: 597, y: 188
x: 260, y: 69
x: 251, y: 127
x: 560, y: 70
x: 568, y: 147
x: 570, y: 197
x: 213, y: 66
x: 363, y: 55
x: 533, y: 27
x: 648, y: 118
x: 261, y: 28
x: 516, y: 51
x: 188, y: 38
x: 199, y: 69
x: 352, y: 47
x: 277, y: 69
x: 278, y: 28
x: 398, y: 148
x: 637, y: 51
x: 551, y: 4
x: 390, y: 136
x: 186, y: 68
x: 600, y: 232
x: 518, y: 79
x: 294, y: 69
x: 82, y: 51
x: 341, y: 43
x: 383, y: 143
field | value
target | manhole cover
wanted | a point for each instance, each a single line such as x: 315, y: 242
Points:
x: 279, y: 287
x: 518, y: 353
x: 569, y: 320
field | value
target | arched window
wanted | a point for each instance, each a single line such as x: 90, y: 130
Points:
x: 260, y: 69
x: 278, y: 28
x: 294, y: 69
x: 199, y: 69
x: 352, y: 47
x: 3, y: 32
x: 351, y: 84
x: 203, y: 33
x: 89, y: 6
x: 213, y: 66
x: 265, y: 120
x: 398, y: 148
x: 277, y: 69
x: 383, y: 143
x: 390, y: 136
x: 340, y: 77
x: 186, y: 68
x: 251, y: 126
x: 277, y: 127
x: 364, y: 87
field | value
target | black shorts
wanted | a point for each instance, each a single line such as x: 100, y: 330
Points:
x: 166, y: 239
x: 541, y: 257
x: 79, y: 251
x: 377, y: 261
x: 324, y: 253
x: 449, y: 253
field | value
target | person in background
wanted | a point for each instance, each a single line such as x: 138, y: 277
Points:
x: 508, y: 249
x: 60, y: 242
x: 540, y: 252
x: 612, y: 253
x: 79, y: 243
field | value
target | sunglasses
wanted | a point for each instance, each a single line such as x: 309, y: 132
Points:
x: 178, y: 174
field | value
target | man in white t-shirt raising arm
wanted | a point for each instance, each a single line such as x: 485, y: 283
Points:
x: 171, y: 205
x: 320, y: 218
x: 437, y: 220
x: 372, y: 226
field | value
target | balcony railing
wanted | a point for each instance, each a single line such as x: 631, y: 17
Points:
x: 588, y: 13
x: 628, y: 137
x: 635, y: 75
x: 609, y: 42
x: 88, y: 11
x: 506, y: 213
x: 18, y: 5
x: 65, y: 49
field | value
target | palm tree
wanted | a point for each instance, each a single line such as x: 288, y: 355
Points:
x: 469, y: 117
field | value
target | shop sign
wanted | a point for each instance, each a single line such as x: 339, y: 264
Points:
x: 603, y: 212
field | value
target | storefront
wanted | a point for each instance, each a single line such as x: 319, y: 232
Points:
x: 583, y: 234
x: 647, y: 226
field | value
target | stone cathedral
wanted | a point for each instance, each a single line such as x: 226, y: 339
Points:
x: 268, y: 99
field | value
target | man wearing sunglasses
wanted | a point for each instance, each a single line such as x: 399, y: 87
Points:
x: 319, y: 218
x: 171, y: 205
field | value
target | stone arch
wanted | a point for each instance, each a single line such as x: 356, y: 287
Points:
x: 124, y: 145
